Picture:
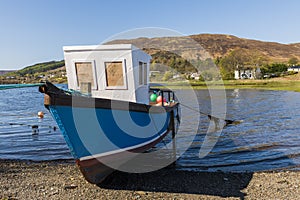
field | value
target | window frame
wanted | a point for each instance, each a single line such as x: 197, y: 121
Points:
x: 95, y: 87
x: 124, y: 71
x: 145, y: 73
x: 142, y: 71
x: 141, y: 74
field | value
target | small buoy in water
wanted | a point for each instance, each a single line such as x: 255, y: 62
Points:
x: 40, y: 114
x: 35, y: 129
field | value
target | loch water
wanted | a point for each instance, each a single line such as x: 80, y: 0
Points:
x: 267, y: 138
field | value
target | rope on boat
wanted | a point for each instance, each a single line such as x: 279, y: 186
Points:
x: 14, y: 86
x: 35, y: 128
x: 214, y: 118
x: 20, y: 115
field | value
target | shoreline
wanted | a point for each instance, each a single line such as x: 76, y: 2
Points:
x: 61, y: 179
x: 286, y: 83
x: 277, y: 85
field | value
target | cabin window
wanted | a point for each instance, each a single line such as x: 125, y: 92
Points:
x: 85, y: 74
x: 145, y: 73
x: 142, y: 73
x: 115, y: 75
x: 141, y: 79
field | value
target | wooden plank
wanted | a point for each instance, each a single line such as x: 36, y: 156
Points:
x: 114, y: 74
x: 84, y: 73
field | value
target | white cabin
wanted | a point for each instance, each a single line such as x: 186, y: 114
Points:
x: 118, y: 71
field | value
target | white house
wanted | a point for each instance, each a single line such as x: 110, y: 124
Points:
x: 195, y: 76
x: 294, y: 69
x: 247, y: 73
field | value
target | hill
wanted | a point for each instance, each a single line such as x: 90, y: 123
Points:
x: 2, y: 72
x: 52, y: 70
x: 39, y: 67
x: 175, y: 51
x: 215, y: 45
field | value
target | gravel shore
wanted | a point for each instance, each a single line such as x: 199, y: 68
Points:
x: 63, y: 180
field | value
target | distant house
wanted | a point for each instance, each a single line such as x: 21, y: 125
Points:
x: 195, y: 76
x: 153, y: 73
x: 63, y: 74
x: 247, y: 72
x: 10, y: 77
x: 176, y: 76
x: 294, y: 69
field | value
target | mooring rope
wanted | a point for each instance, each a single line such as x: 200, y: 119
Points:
x: 20, y: 115
x: 34, y: 126
x: 214, y: 118
x: 13, y: 86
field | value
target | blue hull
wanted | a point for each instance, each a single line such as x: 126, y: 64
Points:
x: 101, y: 132
x: 96, y: 132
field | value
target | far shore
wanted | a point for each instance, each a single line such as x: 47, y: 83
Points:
x: 288, y: 83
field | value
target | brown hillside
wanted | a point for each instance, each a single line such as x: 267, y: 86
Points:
x: 216, y: 45
x: 297, y: 45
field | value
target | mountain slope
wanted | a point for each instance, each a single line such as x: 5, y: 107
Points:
x: 41, y: 67
x: 169, y: 49
x: 215, y: 45
x: 52, y: 70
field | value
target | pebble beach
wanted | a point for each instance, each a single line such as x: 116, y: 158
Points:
x: 63, y: 180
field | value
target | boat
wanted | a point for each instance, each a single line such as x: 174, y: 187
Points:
x: 109, y: 113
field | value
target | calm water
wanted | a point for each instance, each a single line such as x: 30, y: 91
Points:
x: 268, y: 138
x: 18, y: 142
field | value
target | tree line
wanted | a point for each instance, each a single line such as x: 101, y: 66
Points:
x: 236, y: 59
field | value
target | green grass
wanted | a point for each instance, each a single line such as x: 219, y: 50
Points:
x: 265, y: 84
x: 287, y: 85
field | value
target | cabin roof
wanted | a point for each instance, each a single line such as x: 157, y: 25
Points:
x: 100, y: 47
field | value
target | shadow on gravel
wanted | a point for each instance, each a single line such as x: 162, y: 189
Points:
x: 175, y: 181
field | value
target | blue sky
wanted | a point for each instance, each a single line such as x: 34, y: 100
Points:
x: 34, y: 31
